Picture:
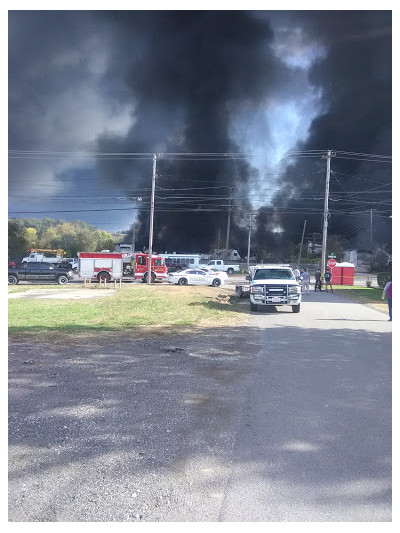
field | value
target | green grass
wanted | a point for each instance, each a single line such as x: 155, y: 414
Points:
x: 133, y: 307
x: 371, y: 294
x: 366, y: 295
x: 138, y: 308
x: 18, y: 288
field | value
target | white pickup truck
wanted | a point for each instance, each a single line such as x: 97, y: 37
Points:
x: 42, y: 258
x: 272, y: 285
x: 35, y: 257
x: 218, y: 264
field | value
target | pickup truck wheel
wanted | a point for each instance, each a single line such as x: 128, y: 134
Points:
x: 296, y: 308
x: 216, y: 282
x: 62, y: 280
x: 253, y: 307
x: 230, y: 271
x: 12, y: 280
x: 101, y: 276
x: 183, y: 281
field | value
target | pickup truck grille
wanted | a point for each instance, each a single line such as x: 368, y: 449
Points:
x: 275, y: 290
x: 272, y: 294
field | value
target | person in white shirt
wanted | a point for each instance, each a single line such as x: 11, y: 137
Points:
x: 305, y: 281
x: 296, y: 273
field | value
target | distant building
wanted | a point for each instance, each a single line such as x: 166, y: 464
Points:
x: 219, y: 253
x: 361, y: 259
x: 314, y: 248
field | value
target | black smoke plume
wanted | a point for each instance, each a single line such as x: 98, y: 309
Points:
x: 192, y: 72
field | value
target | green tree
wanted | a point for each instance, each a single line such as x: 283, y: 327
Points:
x: 17, y: 243
x: 105, y: 241
x: 50, y: 239
x: 335, y: 246
x: 30, y: 235
x: 73, y: 237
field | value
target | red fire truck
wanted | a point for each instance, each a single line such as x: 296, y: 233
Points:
x: 126, y: 266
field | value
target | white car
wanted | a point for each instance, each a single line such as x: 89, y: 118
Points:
x: 192, y: 276
x: 220, y: 273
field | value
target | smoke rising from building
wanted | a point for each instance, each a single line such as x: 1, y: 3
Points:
x: 207, y: 82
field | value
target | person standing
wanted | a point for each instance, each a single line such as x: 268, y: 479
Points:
x: 388, y: 290
x: 305, y: 281
x: 328, y: 279
x: 296, y: 273
x: 317, y: 280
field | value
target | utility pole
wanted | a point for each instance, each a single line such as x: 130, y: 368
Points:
x: 229, y: 224
x: 371, y: 228
x: 248, y: 244
x: 301, y: 245
x: 153, y: 187
x: 328, y: 157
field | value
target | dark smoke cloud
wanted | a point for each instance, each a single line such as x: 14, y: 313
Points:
x: 194, y: 70
x: 208, y: 81
x: 355, y: 79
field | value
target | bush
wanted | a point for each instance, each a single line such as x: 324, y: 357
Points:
x: 382, y: 278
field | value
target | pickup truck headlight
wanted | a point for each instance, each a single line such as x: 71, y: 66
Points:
x: 294, y: 289
x: 256, y: 289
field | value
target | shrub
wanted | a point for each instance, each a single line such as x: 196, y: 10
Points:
x: 382, y: 278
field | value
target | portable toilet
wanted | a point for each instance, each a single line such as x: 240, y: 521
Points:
x: 336, y: 273
x: 347, y: 273
x: 342, y: 274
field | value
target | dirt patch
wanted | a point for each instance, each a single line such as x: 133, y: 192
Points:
x: 63, y: 294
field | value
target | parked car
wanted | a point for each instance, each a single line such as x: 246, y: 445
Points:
x: 219, y: 273
x: 38, y: 272
x: 192, y: 276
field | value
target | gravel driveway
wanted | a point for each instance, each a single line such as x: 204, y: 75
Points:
x: 121, y: 429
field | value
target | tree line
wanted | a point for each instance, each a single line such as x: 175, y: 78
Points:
x: 73, y: 237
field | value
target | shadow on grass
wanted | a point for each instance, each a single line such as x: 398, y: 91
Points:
x: 63, y: 333
x: 224, y: 303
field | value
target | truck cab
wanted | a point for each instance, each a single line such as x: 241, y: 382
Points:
x: 273, y: 285
x: 219, y: 264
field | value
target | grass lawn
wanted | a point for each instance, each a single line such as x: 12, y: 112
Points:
x: 135, y: 307
x: 366, y: 295
x: 139, y: 308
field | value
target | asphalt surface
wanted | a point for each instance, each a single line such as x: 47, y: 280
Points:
x: 284, y: 419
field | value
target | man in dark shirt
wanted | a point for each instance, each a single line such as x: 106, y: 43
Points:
x: 328, y: 279
x: 317, y: 280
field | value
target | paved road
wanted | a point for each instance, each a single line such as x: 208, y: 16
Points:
x: 315, y: 436
x: 287, y: 418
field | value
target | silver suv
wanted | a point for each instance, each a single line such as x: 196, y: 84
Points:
x: 274, y: 285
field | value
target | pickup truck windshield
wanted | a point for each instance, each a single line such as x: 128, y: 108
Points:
x: 273, y: 273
